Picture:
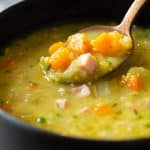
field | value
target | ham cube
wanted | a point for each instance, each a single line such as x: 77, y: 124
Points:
x: 81, y: 91
x: 87, y: 62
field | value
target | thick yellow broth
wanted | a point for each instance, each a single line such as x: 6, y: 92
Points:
x: 33, y: 99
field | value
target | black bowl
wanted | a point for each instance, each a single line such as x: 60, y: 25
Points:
x: 30, y: 14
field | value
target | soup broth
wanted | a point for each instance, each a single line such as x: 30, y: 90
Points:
x: 116, y: 106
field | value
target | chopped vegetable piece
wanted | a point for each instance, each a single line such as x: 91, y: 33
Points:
x: 54, y: 47
x: 5, y: 106
x: 87, y: 62
x: 62, y: 103
x: 81, y: 91
x: 103, y: 109
x: 8, y: 64
x: 79, y: 43
x: 132, y: 82
x: 41, y: 120
x: 111, y: 43
x: 60, y: 59
x: 102, y: 44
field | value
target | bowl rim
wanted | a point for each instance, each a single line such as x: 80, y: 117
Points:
x: 31, y: 128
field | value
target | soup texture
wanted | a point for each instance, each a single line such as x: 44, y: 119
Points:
x: 116, y: 106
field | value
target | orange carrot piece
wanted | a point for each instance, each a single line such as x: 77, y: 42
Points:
x: 103, y: 109
x: 102, y: 44
x: 108, y: 43
x: 132, y: 82
x: 8, y: 64
x: 5, y: 106
x: 60, y: 60
x: 54, y: 47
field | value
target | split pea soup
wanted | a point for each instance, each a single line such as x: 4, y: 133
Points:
x: 116, y: 106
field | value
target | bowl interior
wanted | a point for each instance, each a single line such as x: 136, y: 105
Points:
x: 32, y: 13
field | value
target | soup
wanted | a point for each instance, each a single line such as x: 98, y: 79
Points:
x: 116, y: 106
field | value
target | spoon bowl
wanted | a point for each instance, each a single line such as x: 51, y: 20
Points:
x: 124, y: 28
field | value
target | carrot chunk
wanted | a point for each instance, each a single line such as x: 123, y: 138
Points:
x: 60, y: 59
x: 5, y: 106
x: 102, y: 44
x: 54, y: 47
x: 112, y: 43
x: 79, y: 43
x: 132, y: 82
x: 103, y: 109
x: 8, y: 64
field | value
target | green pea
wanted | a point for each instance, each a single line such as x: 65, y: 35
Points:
x: 41, y: 120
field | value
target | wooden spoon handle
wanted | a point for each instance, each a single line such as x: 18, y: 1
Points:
x: 130, y: 15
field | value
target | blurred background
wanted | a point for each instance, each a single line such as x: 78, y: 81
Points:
x: 6, y: 3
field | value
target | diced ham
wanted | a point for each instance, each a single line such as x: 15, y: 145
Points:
x: 62, y: 103
x: 87, y: 62
x: 81, y: 91
x: 84, y: 110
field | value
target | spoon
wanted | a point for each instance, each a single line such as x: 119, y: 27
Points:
x: 124, y: 28
x: 75, y: 73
